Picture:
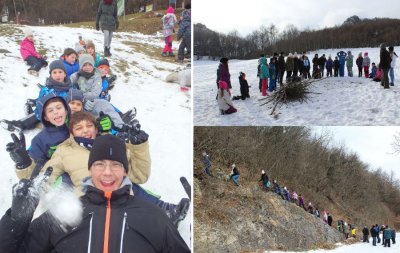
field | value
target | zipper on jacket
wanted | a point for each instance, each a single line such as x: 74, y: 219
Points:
x: 90, y: 233
x: 107, y: 195
x: 122, y: 232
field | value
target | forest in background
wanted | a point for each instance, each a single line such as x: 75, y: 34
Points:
x: 71, y: 11
x: 329, y: 177
x: 353, y: 33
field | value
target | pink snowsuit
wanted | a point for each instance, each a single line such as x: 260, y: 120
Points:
x: 28, y: 49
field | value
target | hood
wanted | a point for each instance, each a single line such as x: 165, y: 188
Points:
x: 42, y: 102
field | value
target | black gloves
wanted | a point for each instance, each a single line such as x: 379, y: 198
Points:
x: 97, y: 27
x: 26, y: 198
x: 104, y: 123
x: 133, y: 135
x: 18, y: 152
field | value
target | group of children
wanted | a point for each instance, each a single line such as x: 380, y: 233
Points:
x: 168, y: 25
x: 74, y: 107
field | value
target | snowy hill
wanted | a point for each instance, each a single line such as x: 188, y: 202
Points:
x: 163, y: 110
x: 342, y: 101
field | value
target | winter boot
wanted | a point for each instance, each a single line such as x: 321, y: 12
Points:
x: 109, y: 51
x: 11, y: 125
x: 105, y: 52
x: 177, y: 213
x: 33, y: 72
x: 164, y: 54
x: 171, y: 54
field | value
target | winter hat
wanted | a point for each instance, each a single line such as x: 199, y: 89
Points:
x: 69, y: 51
x: 204, y: 153
x: 224, y: 60
x: 90, y: 43
x: 383, y: 46
x: 290, y: 55
x: 366, y: 54
x: 85, y: 58
x: 75, y: 94
x: 391, y: 48
x: 103, y: 62
x: 223, y: 85
x: 108, y: 147
x: 263, y: 172
x: 79, y: 48
x: 233, y: 165
x: 28, y: 32
x: 57, y: 64
x: 170, y: 10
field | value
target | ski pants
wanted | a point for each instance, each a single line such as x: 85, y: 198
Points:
x: 107, y: 38
x: 207, y: 170
x: 168, y: 44
x: 387, y: 243
x: 374, y: 240
x: 391, y: 75
x: 185, y: 44
x: 350, y: 70
x: 385, y: 78
x: 35, y: 63
x: 366, y: 71
x: 235, y: 179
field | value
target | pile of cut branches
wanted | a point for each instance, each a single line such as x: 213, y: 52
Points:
x: 290, y: 92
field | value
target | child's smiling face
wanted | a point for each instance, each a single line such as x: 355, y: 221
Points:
x: 55, y: 112
x: 58, y: 75
x: 71, y: 59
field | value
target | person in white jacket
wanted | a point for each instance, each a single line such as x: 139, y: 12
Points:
x: 394, y: 56
x: 224, y: 99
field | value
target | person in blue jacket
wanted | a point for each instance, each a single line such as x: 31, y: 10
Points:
x: 235, y: 175
x: 69, y: 59
x: 342, y: 60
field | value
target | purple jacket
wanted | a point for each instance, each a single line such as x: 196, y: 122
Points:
x: 223, y: 74
x: 301, y: 201
x: 28, y: 49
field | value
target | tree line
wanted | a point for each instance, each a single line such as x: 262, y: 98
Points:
x: 330, y: 177
x: 353, y: 33
x: 54, y: 12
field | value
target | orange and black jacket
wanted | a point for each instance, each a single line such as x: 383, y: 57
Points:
x: 112, y: 222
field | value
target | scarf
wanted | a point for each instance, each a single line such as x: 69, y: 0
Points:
x: 59, y: 86
x: 85, y: 74
x: 84, y: 142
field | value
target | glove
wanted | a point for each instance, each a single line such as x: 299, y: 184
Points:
x: 18, y: 153
x: 138, y: 138
x: 89, y: 105
x: 104, y: 123
x: 26, y: 197
x: 97, y: 27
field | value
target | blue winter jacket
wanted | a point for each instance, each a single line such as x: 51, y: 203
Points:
x: 329, y: 64
x: 264, y: 68
x: 71, y: 68
x: 185, y: 25
x: 387, y: 234
x: 44, y: 143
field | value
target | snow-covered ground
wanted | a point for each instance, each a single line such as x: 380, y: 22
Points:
x: 356, y: 248
x: 163, y: 110
x: 343, y: 100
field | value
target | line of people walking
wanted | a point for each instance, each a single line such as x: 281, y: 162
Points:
x: 388, y: 235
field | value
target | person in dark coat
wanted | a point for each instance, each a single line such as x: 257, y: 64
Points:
x: 301, y: 202
x: 387, y: 236
x: 336, y: 65
x: 329, y: 66
x: 207, y: 164
x: 185, y: 33
x: 306, y: 66
x: 330, y: 219
x: 281, y: 67
x: 385, y: 65
x: 359, y: 63
x: 244, y: 86
x: 316, y: 71
x: 107, y: 21
x: 223, y: 72
x: 373, y: 232
x: 321, y: 64
x: 113, y: 219
x: 265, y: 180
x: 393, y: 235
x: 365, y: 232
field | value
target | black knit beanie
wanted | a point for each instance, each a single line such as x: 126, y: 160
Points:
x: 108, y: 147
x: 57, y: 64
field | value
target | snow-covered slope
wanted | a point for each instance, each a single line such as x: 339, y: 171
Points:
x: 357, y: 247
x: 163, y: 110
x: 343, y: 100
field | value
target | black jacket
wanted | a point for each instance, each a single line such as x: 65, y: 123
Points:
x: 281, y: 63
x: 244, y: 86
x: 142, y: 226
x: 385, y: 59
x: 264, y: 178
x: 365, y: 231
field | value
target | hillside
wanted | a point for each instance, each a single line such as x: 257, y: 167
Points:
x: 232, y: 219
x: 140, y: 83
x: 244, y: 217
x: 353, y: 33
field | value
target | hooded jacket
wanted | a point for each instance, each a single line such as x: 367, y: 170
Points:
x: 107, y: 16
x: 27, y: 48
x: 185, y: 25
x: 134, y: 226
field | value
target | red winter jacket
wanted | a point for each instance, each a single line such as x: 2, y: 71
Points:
x: 28, y: 49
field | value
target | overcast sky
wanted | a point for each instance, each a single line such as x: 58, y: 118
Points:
x: 246, y: 16
x: 372, y: 144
